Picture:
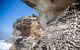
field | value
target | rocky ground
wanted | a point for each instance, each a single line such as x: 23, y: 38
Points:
x: 61, y: 34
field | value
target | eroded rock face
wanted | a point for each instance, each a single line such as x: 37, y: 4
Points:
x: 49, y: 9
x: 61, y: 34
x: 26, y: 30
x: 26, y: 26
x: 64, y: 33
x: 42, y: 4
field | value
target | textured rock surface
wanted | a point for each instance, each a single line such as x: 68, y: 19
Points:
x: 64, y: 33
x: 26, y: 30
x: 61, y: 34
x: 26, y: 26
x: 49, y: 9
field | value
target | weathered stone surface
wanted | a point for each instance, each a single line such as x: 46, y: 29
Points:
x: 26, y: 26
x: 49, y: 9
x: 26, y: 29
x: 61, y: 34
x: 64, y: 33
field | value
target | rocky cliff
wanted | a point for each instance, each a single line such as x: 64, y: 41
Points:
x: 61, y: 34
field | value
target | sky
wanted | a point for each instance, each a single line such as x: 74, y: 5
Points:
x: 10, y: 10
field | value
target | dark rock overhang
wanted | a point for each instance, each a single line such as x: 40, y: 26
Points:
x: 29, y: 3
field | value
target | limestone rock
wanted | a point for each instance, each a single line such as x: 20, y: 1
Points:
x: 49, y: 9
x: 26, y: 26
x: 64, y: 33
x: 61, y: 34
